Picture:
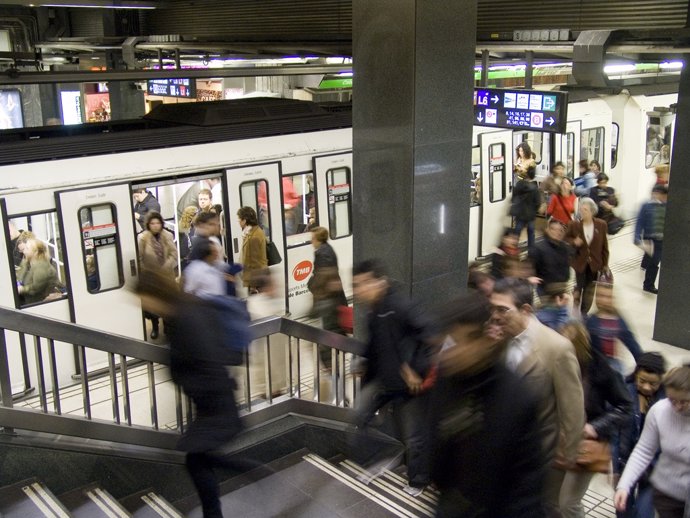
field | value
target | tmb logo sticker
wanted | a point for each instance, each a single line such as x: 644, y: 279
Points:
x: 302, y: 270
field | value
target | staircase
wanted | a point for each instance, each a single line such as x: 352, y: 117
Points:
x: 33, y: 499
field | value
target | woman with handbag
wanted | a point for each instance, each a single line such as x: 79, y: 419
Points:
x: 253, y: 257
x: 562, y: 205
x: 588, y: 237
x: 666, y: 429
x: 607, y: 405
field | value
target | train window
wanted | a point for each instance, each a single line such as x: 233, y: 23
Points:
x: 497, y: 172
x: 592, y: 145
x: 615, y: 129
x: 476, y: 181
x: 34, y: 280
x: 570, y: 160
x: 339, y: 202
x: 534, y: 140
x: 100, y: 245
x: 300, y: 208
x: 255, y: 195
x: 658, y: 138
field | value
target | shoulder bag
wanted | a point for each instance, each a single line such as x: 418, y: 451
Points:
x: 594, y: 456
x: 272, y: 254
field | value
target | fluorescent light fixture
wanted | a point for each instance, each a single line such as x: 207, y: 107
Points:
x: 618, y: 69
x: 344, y: 74
x: 97, y: 4
x: 671, y: 65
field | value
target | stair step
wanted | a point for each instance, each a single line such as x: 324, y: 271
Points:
x: 149, y: 504
x: 386, y: 490
x: 30, y: 499
x: 92, y: 501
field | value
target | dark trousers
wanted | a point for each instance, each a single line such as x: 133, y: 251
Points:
x: 586, y: 285
x: 410, y: 414
x: 652, y: 265
x: 519, y: 225
x: 639, y: 502
x: 668, y: 507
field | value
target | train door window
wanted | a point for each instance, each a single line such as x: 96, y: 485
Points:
x: 534, y: 141
x: 497, y: 172
x: 255, y: 195
x: 476, y: 181
x: 657, y: 150
x: 339, y: 202
x: 570, y: 159
x: 615, y: 129
x: 101, y: 247
x: 592, y: 144
x: 46, y: 246
x: 299, y: 207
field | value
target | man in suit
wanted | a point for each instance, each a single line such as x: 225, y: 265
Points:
x: 546, y: 360
x: 588, y: 237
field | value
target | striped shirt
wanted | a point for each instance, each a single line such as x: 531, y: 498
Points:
x: 669, y: 431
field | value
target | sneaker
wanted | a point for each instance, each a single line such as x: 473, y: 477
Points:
x: 651, y: 290
x: 413, y: 491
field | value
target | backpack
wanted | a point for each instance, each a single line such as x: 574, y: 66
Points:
x: 233, y: 329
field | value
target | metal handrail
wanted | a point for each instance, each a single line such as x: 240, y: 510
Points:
x: 48, y: 412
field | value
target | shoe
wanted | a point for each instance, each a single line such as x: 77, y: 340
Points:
x: 154, y: 334
x: 651, y: 290
x: 413, y: 490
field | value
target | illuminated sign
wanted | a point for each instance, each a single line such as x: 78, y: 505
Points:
x: 521, y: 109
x: 172, y: 87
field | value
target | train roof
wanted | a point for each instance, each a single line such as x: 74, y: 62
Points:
x: 170, y: 125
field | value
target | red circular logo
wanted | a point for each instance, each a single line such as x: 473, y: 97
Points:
x: 302, y: 270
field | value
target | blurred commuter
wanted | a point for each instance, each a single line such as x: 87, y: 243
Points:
x: 156, y: 252
x: 253, y: 256
x: 488, y: 460
x: 607, y: 327
x: 547, y: 362
x: 645, y: 389
x: 325, y: 284
x: 525, y: 204
x: 588, y: 236
x: 551, y: 256
x: 563, y: 206
x: 588, y: 180
x: 507, y: 251
x: 607, y: 405
x: 206, y: 225
x: 202, y: 277
x: 556, y: 304
x: 552, y: 184
x: 185, y: 233
x: 605, y: 197
x: 649, y: 235
x: 38, y: 278
x: 663, y: 173
x: 666, y: 429
x: 524, y: 159
x: 24, y: 236
x: 198, y: 359
x: 399, y: 357
x: 15, y: 234
x: 145, y: 203
x: 480, y: 281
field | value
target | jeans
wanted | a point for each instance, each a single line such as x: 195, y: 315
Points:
x: 410, y: 416
x: 652, y: 265
x: 519, y: 225
x: 639, y: 505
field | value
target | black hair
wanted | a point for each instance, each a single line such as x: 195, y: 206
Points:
x: 150, y: 216
x: 526, y: 150
x: 597, y: 163
x: 372, y: 266
x: 519, y: 289
x: 472, y: 308
x: 205, y: 217
x: 651, y: 362
x: 248, y: 214
x: 602, y: 177
x: 531, y: 172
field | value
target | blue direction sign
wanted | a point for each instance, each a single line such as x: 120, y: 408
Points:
x: 521, y: 109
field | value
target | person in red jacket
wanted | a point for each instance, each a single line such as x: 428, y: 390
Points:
x: 562, y: 205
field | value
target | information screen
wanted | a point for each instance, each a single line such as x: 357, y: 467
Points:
x: 534, y: 110
x: 172, y: 87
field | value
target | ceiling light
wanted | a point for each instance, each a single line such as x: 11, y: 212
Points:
x: 99, y: 4
x: 671, y: 65
x: 617, y: 69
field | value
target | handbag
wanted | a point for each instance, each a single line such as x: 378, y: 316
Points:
x: 272, y: 254
x: 614, y: 225
x: 605, y: 276
x: 594, y: 456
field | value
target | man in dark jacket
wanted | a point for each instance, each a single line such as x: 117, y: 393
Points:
x: 525, y: 205
x: 488, y: 459
x: 551, y: 256
x: 399, y: 356
x: 145, y: 203
x: 649, y: 235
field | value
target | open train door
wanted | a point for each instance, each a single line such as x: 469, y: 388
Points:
x: 97, y: 225
x: 569, y: 150
x: 258, y: 186
x: 496, y: 186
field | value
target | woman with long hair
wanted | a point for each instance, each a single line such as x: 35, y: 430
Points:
x: 562, y: 206
x: 524, y: 159
x: 37, y: 278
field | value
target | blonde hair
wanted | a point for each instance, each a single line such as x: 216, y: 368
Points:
x: 320, y: 233
x: 678, y: 379
x: 41, y: 250
x: 24, y: 236
x: 187, y: 217
x: 580, y: 340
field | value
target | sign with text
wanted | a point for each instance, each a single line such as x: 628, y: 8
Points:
x: 521, y: 109
x: 172, y: 87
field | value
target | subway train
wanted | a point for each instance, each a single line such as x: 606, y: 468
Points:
x: 290, y: 160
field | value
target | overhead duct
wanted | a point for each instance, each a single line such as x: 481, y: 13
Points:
x: 588, y: 58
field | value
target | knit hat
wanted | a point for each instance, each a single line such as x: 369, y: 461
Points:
x: 651, y: 362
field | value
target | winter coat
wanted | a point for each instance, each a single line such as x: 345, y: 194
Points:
x: 526, y: 200
x: 253, y: 254
x: 38, y: 278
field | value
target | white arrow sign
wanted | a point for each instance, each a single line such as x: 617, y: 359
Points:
x: 550, y: 121
x: 480, y: 117
x: 495, y: 99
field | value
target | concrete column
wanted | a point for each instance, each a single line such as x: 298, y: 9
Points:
x: 413, y: 91
x: 672, y: 322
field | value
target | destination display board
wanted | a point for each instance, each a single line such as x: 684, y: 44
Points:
x: 172, y: 87
x: 535, y: 110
